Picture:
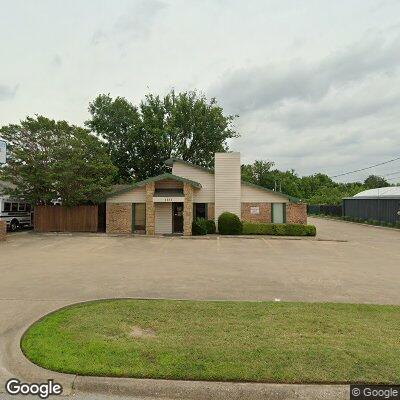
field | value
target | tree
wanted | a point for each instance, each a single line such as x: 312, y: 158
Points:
x: 375, y: 181
x: 260, y: 173
x: 327, y: 195
x: 139, y: 139
x: 50, y: 159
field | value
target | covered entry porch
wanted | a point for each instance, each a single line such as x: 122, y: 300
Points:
x: 169, y: 205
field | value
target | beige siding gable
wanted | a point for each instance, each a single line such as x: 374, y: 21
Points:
x: 136, y: 195
x: 251, y: 194
x: 206, y: 179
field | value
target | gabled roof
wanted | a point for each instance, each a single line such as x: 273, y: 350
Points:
x: 157, y: 178
x: 171, y: 161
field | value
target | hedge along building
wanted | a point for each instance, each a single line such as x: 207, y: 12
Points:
x: 168, y: 203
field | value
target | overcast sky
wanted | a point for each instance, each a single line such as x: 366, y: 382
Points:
x: 316, y: 83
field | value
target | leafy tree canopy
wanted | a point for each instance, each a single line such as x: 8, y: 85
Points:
x: 49, y: 159
x: 314, y: 189
x: 374, y: 181
x: 140, y: 138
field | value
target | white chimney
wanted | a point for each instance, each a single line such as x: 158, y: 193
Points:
x: 227, y: 184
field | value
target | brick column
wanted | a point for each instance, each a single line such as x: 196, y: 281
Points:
x: 211, y: 211
x: 296, y: 213
x: 150, y: 210
x: 119, y: 218
x: 3, y: 230
x: 187, y: 209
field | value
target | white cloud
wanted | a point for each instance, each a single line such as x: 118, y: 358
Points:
x: 132, y: 24
x: 7, y: 92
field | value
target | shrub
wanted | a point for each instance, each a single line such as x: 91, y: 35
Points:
x: 280, y: 229
x: 210, y: 226
x: 311, y: 230
x: 199, y: 227
x: 397, y: 224
x: 252, y: 228
x: 295, y: 230
x: 229, y: 224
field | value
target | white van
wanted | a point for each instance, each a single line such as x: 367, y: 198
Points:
x: 17, y: 213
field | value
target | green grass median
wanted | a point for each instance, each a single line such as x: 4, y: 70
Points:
x: 224, y: 341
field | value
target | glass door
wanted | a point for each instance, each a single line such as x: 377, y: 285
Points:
x: 278, y: 213
x: 177, y: 217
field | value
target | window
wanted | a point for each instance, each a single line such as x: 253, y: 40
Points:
x: 21, y: 206
x: 28, y: 207
x: 200, y: 210
x: 278, y: 213
x: 139, y: 216
x: 7, y: 207
x: 14, y: 207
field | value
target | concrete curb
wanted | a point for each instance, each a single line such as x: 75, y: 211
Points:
x: 205, y: 237
x: 197, y: 390
x: 17, y: 365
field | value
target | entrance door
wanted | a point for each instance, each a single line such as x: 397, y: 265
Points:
x: 278, y: 213
x: 163, y: 223
x: 177, y: 217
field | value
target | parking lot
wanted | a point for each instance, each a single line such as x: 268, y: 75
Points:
x: 41, y: 273
x: 365, y: 268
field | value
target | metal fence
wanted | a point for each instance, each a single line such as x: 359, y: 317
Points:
x: 324, y: 209
x: 66, y: 219
x: 382, y: 210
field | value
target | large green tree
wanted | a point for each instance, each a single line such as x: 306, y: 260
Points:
x: 314, y: 189
x: 49, y: 159
x: 140, y: 138
x: 375, y: 181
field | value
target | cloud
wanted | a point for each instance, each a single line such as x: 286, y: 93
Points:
x: 135, y: 23
x: 7, y: 92
x: 56, y: 61
x: 250, y: 89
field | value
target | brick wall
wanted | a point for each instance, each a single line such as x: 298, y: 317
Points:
x: 296, y: 213
x: 264, y: 216
x: 3, y: 229
x: 150, y: 210
x: 187, y: 209
x: 210, y: 211
x: 119, y: 218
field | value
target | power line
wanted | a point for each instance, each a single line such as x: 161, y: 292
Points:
x: 363, y: 169
x: 392, y: 173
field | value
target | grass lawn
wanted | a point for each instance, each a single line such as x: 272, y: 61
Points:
x: 235, y: 341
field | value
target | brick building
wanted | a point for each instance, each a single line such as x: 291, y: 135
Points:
x: 168, y: 203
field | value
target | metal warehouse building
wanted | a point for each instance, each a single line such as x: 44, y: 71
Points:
x: 382, y: 204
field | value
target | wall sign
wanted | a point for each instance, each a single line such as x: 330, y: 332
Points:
x: 3, y: 151
x: 254, y: 210
x: 168, y: 199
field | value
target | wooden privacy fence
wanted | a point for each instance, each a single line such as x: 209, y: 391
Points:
x: 66, y: 219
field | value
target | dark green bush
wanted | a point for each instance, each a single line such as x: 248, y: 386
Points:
x: 252, y: 228
x: 397, y: 224
x: 199, y: 227
x: 311, y: 230
x: 295, y: 230
x: 229, y: 224
x: 210, y: 226
x: 280, y: 230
